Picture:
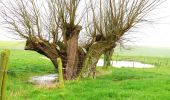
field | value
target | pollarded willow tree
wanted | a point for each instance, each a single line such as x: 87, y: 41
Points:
x: 114, y: 18
x: 52, y: 28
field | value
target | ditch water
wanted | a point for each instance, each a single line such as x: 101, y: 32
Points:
x: 126, y: 64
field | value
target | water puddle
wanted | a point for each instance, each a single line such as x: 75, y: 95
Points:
x: 126, y: 64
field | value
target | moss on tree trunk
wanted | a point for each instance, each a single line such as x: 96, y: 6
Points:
x: 107, y: 58
x: 92, y: 57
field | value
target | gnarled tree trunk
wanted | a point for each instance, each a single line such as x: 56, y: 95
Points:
x: 75, y: 61
x: 108, y: 58
x: 43, y: 47
x: 92, y: 57
x: 72, y: 53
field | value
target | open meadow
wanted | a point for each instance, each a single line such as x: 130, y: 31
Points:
x: 110, y: 84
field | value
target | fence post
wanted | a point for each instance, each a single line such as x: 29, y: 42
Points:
x: 3, y: 72
x: 60, y: 71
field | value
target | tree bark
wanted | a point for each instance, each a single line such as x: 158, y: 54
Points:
x: 107, y: 58
x: 41, y: 46
x: 92, y: 57
x: 72, y: 53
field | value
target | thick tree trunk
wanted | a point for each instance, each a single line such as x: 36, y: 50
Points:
x: 72, y: 53
x: 92, y: 57
x: 107, y: 58
x: 44, y: 48
x: 75, y: 61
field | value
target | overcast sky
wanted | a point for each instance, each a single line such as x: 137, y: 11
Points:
x: 156, y: 33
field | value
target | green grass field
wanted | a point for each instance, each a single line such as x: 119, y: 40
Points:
x: 17, y: 45
x: 112, y: 84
